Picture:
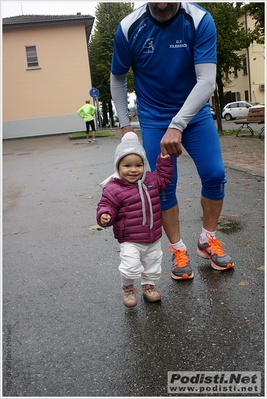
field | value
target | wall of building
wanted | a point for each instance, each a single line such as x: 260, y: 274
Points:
x: 257, y: 65
x: 42, y: 126
x: 45, y: 100
x: 255, y: 76
x: 257, y: 73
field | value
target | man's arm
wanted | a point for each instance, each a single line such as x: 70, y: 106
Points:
x: 201, y: 92
x: 92, y: 110
x: 80, y: 112
x: 171, y: 142
x: 118, y: 88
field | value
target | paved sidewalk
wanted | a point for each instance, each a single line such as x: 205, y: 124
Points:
x: 244, y: 153
x: 66, y: 332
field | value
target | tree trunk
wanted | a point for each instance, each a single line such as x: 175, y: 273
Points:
x: 110, y: 110
x: 220, y: 91
x: 218, y: 110
x: 105, y: 114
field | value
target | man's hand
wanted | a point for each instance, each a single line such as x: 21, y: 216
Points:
x: 171, y: 142
x: 126, y: 129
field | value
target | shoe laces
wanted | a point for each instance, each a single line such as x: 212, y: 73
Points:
x: 215, y: 244
x: 150, y: 288
x: 180, y: 256
x: 130, y: 290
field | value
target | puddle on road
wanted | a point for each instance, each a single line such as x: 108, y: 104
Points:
x: 229, y: 225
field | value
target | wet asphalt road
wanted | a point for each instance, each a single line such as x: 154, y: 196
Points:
x: 66, y: 331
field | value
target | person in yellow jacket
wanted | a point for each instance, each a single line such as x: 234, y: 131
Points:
x: 87, y: 112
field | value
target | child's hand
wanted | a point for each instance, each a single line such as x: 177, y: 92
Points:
x: 165, y: 156
x: 105, y: 219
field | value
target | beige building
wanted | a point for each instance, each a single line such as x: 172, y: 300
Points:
x: 248, y: 84
x: 46, y: 74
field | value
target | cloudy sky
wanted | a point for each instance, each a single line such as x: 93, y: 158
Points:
x: 12, y: 8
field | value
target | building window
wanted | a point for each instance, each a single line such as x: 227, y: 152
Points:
x: 245, y: 71
x: 31, y: 57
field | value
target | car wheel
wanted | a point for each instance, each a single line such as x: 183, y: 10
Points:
x: 227, y: 117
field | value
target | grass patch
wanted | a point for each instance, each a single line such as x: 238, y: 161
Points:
x: 237, y: 132
x: 82, y: 135
x: 231, y: 132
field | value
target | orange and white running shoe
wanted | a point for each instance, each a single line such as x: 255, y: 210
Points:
x: 213, y: 251
x: 181, y: 269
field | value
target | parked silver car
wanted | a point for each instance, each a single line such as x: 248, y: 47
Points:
x: 235, y: 110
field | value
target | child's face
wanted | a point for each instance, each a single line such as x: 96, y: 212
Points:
x: 131, y: 168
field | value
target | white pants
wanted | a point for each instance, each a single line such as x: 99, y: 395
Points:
x: 140, y: 260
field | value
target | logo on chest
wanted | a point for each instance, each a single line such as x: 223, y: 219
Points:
x: 148, y: 47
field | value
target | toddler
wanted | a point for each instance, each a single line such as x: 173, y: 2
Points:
x: 130, y: 203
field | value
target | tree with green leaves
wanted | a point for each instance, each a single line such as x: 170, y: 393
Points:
x: 257, y: 12
x: 108, y: 17
x: 232, y: 42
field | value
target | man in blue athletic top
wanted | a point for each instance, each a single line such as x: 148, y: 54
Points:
x: 171, y: 48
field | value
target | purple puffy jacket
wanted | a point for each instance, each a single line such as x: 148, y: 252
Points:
x: 122, y: 201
